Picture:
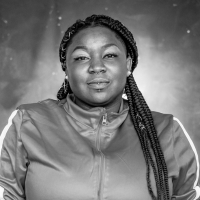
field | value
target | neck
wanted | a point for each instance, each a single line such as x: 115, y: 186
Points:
x: 111, y: 107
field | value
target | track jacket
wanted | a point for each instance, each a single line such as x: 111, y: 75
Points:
x: 62, y: 152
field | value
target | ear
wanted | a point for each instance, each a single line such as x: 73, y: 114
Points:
x: 128, y: 65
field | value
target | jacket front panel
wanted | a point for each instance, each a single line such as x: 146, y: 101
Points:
x: 65, y: 152
x: 74, y: 155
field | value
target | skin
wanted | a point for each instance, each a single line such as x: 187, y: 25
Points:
x: 97, y: 52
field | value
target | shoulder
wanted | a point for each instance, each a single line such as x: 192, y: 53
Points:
x: 162, y: 121
x: 164, y: 124
x: 45, y: 104
x: 48, y: 107
x: 168, y: 126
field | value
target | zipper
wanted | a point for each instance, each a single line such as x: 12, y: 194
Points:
x: 102, y: 157
x: 104, y: 121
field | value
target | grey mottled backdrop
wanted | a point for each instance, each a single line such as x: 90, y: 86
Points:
x: 168, y: 37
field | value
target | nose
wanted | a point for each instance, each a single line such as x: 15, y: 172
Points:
x: 97, y: 66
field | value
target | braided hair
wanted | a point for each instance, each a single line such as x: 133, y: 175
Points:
x: 139, y: 111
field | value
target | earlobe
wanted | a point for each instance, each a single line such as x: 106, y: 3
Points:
x: 66, y: 71
x: 128, y: 65
x: 128, y: 73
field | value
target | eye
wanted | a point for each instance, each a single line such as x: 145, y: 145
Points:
x: 110, y: 55
x: 81, y: 58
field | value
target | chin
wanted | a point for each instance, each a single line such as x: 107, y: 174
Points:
x: 100, y: 102
x: 101, y: 99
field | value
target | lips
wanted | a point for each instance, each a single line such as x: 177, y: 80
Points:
x: 98, y: 83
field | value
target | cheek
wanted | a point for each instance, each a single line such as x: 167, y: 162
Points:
x: 76, y: 78
x: 120, y: 71
x: 121, y: 75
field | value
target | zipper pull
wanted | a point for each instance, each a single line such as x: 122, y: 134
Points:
x: 104, y: 121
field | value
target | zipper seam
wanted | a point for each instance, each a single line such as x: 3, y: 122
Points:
x: 102, y: 175
x: 102, y: 158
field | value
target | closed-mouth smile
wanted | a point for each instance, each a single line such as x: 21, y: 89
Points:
x: 98, y: 83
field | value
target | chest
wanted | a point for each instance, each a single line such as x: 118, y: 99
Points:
x: 100, y: 164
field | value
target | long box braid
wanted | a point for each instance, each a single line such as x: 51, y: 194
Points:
x: 139, y: 111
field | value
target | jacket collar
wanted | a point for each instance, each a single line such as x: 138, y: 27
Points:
x: 93, y: 116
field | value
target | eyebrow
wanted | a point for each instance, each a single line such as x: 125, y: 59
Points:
x: 109, y: 45
x: 79, y: 47
x: 85, y: 48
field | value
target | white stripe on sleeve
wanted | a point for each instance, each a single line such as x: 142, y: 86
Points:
x: 195, y: 186
x: 3, y: 134
x: 1, y: 192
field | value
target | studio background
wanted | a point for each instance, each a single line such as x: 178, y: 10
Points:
x: 167, y: 35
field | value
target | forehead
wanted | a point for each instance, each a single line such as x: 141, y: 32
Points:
x: 97, y: 34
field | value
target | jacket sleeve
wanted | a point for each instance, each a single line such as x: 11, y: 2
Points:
x: 13, y: 160
x: 185, y: 185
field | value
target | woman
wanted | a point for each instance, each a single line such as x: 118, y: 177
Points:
x: 92, y: 143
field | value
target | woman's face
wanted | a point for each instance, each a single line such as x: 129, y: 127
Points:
x: 97, y: 66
